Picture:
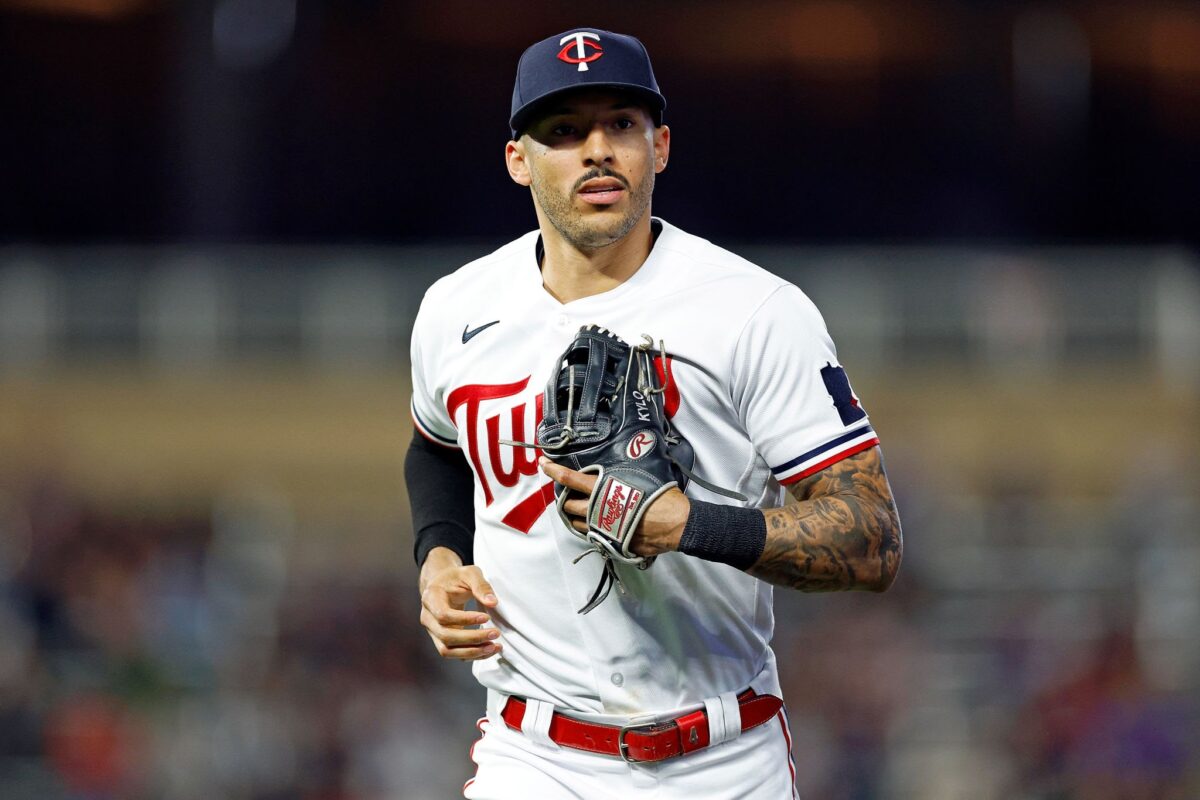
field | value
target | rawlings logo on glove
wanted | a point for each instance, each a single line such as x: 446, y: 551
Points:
x: 617, y: 501
x: 602, y: 413
x: 640, y: 445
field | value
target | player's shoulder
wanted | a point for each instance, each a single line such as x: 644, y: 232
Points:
x: 748, y: 293
x: 697, y: 262
x: 487, y: 273
x: 707, y: 261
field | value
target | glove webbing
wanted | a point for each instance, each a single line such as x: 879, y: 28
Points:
x: 643, y: 354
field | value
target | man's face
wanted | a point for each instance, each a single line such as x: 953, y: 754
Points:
x: 590, y: 160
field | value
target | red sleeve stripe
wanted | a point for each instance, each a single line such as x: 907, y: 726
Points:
x: 804, y: 460
x: 830, y: 461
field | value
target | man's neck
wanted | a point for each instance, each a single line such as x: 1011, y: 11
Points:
x: 569, y: 273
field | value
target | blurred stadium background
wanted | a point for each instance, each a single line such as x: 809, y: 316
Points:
x: 217, y: 220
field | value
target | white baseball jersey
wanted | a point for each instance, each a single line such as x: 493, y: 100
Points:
x: 755, y: 387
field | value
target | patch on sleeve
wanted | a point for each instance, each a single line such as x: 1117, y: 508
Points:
x: 838, y: 386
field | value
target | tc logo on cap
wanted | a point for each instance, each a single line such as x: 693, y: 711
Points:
x: 579, y: 42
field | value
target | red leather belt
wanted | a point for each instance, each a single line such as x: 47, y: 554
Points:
x: 651, y: 742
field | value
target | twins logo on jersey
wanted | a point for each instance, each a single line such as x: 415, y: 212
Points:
x: 479, y: 409
x: 522, y: 461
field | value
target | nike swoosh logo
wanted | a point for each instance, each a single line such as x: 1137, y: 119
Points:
x: 469, y: 334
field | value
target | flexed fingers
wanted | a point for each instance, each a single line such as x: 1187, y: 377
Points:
x: 447, y: 620
x: 458, y: 642
x: 481, y: 590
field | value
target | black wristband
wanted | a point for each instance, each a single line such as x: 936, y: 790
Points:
x: 729, y: 534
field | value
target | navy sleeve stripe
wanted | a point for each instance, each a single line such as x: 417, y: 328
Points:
x: 428, y: 431
x: 816, y: 451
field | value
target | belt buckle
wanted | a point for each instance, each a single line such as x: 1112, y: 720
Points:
x: 623, y: 748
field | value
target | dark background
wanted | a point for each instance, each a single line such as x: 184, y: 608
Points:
x: 364, y: 120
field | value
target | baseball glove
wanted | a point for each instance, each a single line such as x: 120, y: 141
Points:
x: 603, y: 414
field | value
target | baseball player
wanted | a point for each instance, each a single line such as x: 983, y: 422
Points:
x: 669, y: 685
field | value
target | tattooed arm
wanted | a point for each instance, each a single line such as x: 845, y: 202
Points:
x: 843, y: 533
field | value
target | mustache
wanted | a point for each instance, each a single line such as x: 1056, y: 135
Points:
x: 601, y: 172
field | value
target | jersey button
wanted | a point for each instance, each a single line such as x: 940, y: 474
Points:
x: 563, y: 321
x: 617, y: 678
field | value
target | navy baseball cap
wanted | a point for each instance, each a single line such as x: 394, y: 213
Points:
x: 582, y: 58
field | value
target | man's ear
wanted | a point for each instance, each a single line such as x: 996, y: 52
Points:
x: 514, y: 159
x: 662, y: 147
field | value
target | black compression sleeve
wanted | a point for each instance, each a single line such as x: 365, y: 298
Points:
x: 440, y: 491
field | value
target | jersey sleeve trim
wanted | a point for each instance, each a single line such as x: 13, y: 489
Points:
x: 830, y: 453
x: 428, y: 432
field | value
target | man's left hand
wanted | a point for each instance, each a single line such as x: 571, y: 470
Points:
x: 661, y: 525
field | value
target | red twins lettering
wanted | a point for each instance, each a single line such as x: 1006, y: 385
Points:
x: 524, y: 462
x: 483, y: 437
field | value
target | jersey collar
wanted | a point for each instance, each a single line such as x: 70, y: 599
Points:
x: 660, y: 229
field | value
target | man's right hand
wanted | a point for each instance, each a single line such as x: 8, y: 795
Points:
x: 446, y: 588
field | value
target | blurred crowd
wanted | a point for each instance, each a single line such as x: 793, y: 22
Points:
x: 1094, y: 729
x: 180, y: 657
x: 1019, y: 657
x: 173, y: 657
